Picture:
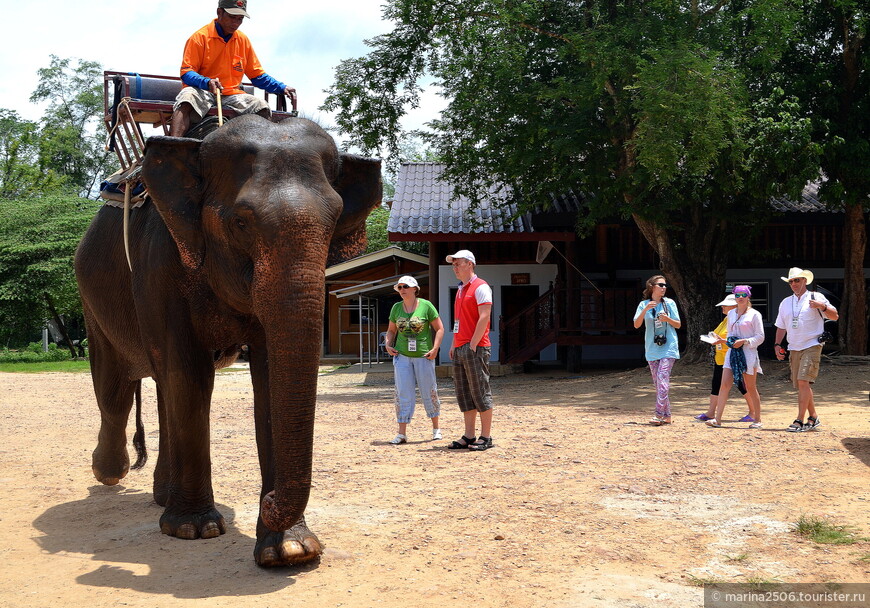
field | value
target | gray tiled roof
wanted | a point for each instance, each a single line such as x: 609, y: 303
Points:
x: 422, y: 205
x: 809, y: 202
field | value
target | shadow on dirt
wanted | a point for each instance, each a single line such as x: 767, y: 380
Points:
x: 859, y: 447
x: 120, y: 526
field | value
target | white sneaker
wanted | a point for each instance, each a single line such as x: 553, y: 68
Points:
x: 399, y: 439
x: 436, y: 434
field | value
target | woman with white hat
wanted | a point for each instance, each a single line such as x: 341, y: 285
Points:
x: 413, y: 338
x: 745, y: 335
x: 721, y: 349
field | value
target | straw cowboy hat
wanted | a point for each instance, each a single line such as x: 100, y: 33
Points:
x: 798, y: 273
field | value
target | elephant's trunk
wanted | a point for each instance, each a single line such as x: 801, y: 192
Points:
x: 290, y: 308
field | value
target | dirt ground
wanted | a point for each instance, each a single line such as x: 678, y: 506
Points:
x: 580, y: 503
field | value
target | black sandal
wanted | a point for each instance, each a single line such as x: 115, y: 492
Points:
x: 461, y: 446
x: 485, y: 444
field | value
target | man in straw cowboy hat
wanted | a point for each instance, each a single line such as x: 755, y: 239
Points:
x: 802, y: 318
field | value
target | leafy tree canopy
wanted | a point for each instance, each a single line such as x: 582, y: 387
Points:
x: 827, y: 67
x: 38, y: 238
x: 72, y: 137
x: 653, y: 108
x: 626, y: 100
x: 21, y: 172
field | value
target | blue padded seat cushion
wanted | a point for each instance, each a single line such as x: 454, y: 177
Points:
x: 159, y: 89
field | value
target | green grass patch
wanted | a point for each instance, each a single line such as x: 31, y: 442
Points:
x: 740, y: 557
x: 330, y: 369
x: 760, y: 582
x: 233, y: 370
x: 703, y: 581
x: 69, y: 366
x: 824, y: 532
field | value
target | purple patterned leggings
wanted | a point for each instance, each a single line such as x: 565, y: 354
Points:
x: 661, y: 374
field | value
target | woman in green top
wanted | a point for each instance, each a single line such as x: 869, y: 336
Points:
x: 414, y: 345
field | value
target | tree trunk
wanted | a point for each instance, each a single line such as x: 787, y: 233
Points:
x: 60, y: 324
x: 853, y: 312
x: 693, y: 260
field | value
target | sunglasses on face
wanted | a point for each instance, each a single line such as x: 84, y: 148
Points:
x: 403, y: 286
x: 741, y: 295
x: 794, y: 281
x: 661, y: 284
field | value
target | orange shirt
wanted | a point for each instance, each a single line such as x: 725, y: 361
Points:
x: 207, y: 54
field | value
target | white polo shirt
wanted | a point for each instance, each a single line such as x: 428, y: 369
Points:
x: 810, y: 322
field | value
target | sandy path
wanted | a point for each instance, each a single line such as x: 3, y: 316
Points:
x: 580, y: 503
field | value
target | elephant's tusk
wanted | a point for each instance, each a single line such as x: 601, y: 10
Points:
x: 129, y: 186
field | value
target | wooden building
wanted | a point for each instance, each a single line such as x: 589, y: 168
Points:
x: 579, y: 300
x: 359, y: 297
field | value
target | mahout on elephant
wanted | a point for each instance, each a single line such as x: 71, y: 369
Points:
x: 230, y: 248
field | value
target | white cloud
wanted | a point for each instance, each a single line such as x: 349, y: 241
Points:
x: 299, y: 43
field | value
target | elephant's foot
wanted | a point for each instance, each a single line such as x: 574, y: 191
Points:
x: 297, y: 545
x: 110, y: 467
x: 190, y: 526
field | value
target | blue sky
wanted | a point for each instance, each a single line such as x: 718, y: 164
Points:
x: 299, y: 43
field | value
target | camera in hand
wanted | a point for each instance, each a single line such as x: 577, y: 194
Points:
x: 826, y: 337
x: 660, y: 339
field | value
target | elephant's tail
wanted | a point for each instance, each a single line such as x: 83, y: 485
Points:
x: 139, y: 436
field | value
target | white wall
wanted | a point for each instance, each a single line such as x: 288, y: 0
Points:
x: 497, y: 276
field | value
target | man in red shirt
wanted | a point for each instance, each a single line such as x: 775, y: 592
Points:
x: 216, y: 57
x: 471, y: 351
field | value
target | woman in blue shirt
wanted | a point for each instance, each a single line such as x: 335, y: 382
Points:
x: 661, y: 319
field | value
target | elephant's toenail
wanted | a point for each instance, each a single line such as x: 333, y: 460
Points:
x: 211, y: 530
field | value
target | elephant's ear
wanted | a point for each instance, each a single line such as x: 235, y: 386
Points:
x: 171, y: 174
x: 359, y: 184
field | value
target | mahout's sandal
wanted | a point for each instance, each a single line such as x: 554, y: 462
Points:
x: 714, y: 423
x: 485, y: 444
x: 461, y: 446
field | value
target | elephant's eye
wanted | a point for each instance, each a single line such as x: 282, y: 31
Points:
x: 240, y: 223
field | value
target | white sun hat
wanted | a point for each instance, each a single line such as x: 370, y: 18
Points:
x: 798, y: 273
x: 406, y: 280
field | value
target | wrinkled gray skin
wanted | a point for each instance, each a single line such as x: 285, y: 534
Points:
x: 231, y: 249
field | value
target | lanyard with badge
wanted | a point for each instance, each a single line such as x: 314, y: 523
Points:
x: 795, y: 312
x: 410, y: 336
x: 655, y: 312
x: 460, y: 297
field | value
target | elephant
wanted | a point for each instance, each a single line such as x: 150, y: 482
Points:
x: 230, y: 248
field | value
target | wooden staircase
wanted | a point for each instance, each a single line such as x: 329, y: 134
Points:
x: 569, y: 317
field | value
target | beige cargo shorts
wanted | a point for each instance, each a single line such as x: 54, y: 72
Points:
x: 202, y: 101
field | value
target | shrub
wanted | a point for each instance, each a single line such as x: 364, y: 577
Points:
x: 33, y: 354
